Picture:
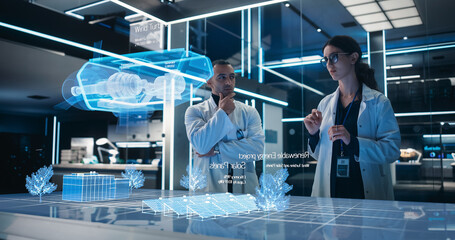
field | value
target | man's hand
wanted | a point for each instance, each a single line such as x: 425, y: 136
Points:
x: 227, y: 103
x: 338, y: 132
x: 209, y: 154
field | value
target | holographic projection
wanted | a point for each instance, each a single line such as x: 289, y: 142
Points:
x: 135, y: 177
x: 195, y: 180
x: 201, y: 206
x: 86, y: 187
x: 38, y: 183
x: 138, y: 84
x: 271, y: 195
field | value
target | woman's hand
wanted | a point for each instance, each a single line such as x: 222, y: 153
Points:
x: 313, y: 121
x: 338, y: 132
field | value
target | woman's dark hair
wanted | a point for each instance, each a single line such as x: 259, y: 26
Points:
x: 364, y: 73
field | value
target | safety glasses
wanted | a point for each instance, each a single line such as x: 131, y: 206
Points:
x: 332, y: 57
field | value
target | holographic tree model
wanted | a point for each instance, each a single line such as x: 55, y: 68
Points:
x: 195, y: 180
x: 39, y: 183
x: 135, y: 177
x: 138, y: 83
x: 271, y: 195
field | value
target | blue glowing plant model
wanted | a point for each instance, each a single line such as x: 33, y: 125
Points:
x: 137, y: 83
x: 271, y: 195
x: 135, y: 177
x: 39, y: 183
x: 87, y: 187
x: 194, y: 181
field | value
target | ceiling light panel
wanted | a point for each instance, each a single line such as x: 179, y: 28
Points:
x: 402, y: 13
x: 364, y: 9
x: 373, y: 27
x: 371, y: 18
x: 406, y: 22
x: 410, y: 77
x: 396, y: 4
x: 348, y: 3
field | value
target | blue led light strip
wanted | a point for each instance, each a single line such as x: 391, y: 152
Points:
x: 292, y: 119
x: 261, y: 96
x: 419, y: 49
x: 71, y: 12
x: 54, y: 130
x: 293, y: 81
x: 412, y: 114
x: 423, y: 113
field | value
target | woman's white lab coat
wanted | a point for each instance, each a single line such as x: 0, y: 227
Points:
x: 379, y: 144
x: 207, y: 125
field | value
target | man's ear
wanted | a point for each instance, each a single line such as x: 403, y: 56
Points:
x: 209, y: 82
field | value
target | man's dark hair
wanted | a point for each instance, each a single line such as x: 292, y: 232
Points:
x: 220, y: 62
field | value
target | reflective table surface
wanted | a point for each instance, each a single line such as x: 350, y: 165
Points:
x: 306, y: 218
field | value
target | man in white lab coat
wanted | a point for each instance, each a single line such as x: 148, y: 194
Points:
x: 226, y: 135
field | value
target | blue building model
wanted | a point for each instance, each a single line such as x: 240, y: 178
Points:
x: 86, y: 187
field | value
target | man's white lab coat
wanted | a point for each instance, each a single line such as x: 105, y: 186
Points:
x: 207, y: 126
x: 379, y: 144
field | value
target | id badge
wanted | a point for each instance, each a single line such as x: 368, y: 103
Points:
x: 342, y: 167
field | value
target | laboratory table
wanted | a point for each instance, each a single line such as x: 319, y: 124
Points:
x: 23, y: 216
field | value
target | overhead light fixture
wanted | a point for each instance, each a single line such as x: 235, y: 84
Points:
x: 311, y: 58
x: 407, y: 22
x: 354, y: 2
x: 71, y: 11
x: 236, y: 9
x: 138, y: 11
x: 405, y: 38
x: 387, y: 15
x: 403, y: 77
x: 290, y: 60
x: 363, y: 9
x: 412, y: 114
x: 371, y: 18
x: 292, y: 119
x: 402, y: 13
x: 373, y: 27
x: 394, y: 4
x: 133, y: 16
x: 319, y: 30
x: 438, y: 135
x: 420, y: 49
x: 287, y: 4
x: 133, y: 144
x: 399, y: 66
x: 410, y: 77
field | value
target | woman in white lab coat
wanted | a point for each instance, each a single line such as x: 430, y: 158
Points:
x: 354, y: 135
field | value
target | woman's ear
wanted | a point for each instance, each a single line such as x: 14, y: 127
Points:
x: 354, y: 57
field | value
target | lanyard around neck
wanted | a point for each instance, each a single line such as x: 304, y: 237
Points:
x: 345, y: 117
